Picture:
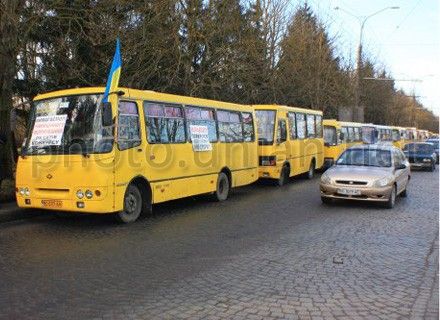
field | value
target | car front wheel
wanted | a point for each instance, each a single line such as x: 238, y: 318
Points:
x: 392, y: 199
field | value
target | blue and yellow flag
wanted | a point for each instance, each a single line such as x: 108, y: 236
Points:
x: 115, y: 72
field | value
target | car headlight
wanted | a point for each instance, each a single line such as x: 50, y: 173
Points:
x: 382, y: 182
x: 80, y: 194
x: 89, y: 194
x: 426, y: 160
x: 325, y: 179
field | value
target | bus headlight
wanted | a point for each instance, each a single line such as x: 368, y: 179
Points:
x: 80, y: 194
x: 21, y: 191
x: 27, y: 192
x: 89, y: 194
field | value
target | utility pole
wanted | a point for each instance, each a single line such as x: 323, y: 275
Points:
x: 357, y: 93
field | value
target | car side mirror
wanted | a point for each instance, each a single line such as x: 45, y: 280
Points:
x: 400, y: 166
x: 107, y: 117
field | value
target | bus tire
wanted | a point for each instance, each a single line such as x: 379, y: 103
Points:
x: 311, y: 172
x: 284, y: 176
x: 132, y: 205
x: 221, y: 193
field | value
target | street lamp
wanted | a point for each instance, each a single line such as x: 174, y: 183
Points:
x: 362, y: 20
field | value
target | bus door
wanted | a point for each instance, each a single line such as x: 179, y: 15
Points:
x: 281, y: 148
x: 130, y: 157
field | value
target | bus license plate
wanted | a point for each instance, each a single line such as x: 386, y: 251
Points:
x: 52, y: 203
x: 349, y: 192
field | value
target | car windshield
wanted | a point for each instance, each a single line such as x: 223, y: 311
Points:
x: 68, y: 125
x: 330, y: 136
x: 365, y: 157
x: 419, y: 147
x: 266, y: 126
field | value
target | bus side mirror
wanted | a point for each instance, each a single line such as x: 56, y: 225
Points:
x: 107, y: 117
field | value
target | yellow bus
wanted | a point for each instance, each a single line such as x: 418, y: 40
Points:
x: 141, y: 148
x: 411, y: 134
x: 333, y: 141
x: 352, y: 133
x: 290, y: 141
x: 399, y: 136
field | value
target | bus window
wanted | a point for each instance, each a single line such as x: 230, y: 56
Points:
x: 165, y: 123
x: 357, y: 134
x: 229, y: 125
x: 282, y: 131
x: 350, y: 134
x: 344, y: 131
x: 266, y: 126
x: 330, y: 137
x: 318, y: 126
x: 310, y: 126
x: 197, y: 116
x: 292, y: 125
x: 128, y: 125
x: 248, y: 126
x: 301, y: 125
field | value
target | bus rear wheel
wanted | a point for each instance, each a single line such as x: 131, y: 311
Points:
x: 223, y: 187
x: 132, y: 205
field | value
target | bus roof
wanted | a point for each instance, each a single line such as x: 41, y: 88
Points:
x: 351, y: 124
x: 148, y: 95
x: 331, y: 122
x: 285, y: 108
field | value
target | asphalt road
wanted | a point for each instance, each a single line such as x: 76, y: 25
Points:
x: 267, y: 252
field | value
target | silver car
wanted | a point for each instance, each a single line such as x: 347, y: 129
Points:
x: 368, y: 173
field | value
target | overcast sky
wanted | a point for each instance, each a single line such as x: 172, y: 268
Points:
x: 406, y: 41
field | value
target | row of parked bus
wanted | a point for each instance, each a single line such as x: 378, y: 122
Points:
x: 145, y: 147
x: 340, y: 135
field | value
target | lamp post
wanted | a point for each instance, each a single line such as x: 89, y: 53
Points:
x: 362, y: 20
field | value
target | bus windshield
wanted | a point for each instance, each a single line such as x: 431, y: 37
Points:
x: 369, y: 135
x: 266, y: 126
x: 396, y: 135
x: 330, y: 138
x: 68, y: 125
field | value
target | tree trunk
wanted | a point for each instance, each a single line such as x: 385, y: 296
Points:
x: 9, y: 20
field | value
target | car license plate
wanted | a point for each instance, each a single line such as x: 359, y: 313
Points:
x: 349, y: 192
x: 52, y: 203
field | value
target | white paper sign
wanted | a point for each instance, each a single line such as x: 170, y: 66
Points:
x: 48, y: 131
x: 200, y: 138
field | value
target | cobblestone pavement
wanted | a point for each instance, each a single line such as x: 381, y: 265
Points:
x: 266, y: 253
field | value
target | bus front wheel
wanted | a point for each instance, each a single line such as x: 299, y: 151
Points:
x: 223, y: 186
x: 132, y: 205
